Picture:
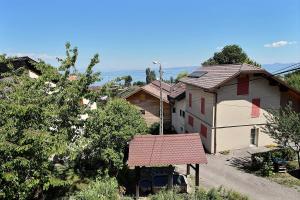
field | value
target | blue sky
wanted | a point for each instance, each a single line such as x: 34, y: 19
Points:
x: 129, y: 34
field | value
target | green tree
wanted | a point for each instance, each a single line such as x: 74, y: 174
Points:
x: 293, y: 79
x: 109, y: 130
x: 181, y: 75
x: 139, y: 83
x: 150, y: 75
x: 40, y: 126
x: 230, y: 54
x: 284, y: 127
x: 127, y: 80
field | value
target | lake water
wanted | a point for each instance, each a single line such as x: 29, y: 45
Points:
x: 140, y: 75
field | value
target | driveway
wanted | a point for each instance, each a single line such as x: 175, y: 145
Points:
x: 224, y: 170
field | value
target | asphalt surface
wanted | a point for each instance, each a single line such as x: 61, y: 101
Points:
x: 225, y: 170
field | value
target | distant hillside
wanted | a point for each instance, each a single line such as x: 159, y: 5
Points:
x: 276, y: 66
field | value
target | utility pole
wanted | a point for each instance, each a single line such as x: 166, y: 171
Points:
x: 161, y: 106
x: 161, y: 130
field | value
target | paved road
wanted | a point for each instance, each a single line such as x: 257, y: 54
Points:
x: 223, y: 170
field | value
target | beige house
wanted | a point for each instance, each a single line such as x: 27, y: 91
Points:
x: 177, y: 102
x: 227, y: 104
x: 147, y: 100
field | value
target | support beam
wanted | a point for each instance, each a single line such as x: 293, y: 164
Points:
x: 197, y: 176
x: 137, y: 181
x: 170, y: 177
x: 188, y: 169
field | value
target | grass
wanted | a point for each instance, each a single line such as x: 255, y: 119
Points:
x: 285, y: 179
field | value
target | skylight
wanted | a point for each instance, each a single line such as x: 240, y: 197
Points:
x: 197, y: 74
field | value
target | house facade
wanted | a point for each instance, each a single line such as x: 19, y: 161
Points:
x: 147, y: 100
x: 227, y: 105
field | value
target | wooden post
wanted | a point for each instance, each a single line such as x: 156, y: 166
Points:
x: 188, y: 169
x: 170, y: 177
x: 197, y: 176
x: 137, y: 180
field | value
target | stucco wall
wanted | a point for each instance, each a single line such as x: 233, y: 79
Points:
x: 178, y: 122
x: 234, y: 121
x: 195, y: 111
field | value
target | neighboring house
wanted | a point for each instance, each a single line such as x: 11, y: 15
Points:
x: 227, y: 104
x: 33, y: 72
x: 19, y: 62
x: 147, y: 100
x: 177, y: 102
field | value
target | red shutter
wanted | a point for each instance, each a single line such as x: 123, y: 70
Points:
x: 190, y: 99
x: 243, y: 85
x: 202, y: 105
x: 255, y: 107
x: 191, y: 120
x: 203, y: 130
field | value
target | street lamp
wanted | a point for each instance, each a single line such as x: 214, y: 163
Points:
x: 161, y: 110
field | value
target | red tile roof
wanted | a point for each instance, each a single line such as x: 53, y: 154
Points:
x: 177, y: 89
x: 158, y: 150
x: 153, y: 88
x: 216, y: 75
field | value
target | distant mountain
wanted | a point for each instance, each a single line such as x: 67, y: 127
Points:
x: 276, y: 66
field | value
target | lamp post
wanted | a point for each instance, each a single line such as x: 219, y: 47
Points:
x: 161, y: 110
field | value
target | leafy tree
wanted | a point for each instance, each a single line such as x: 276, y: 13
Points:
x: 40, y: 126
x: 180, y: 75
x: 293, y: 79
x: 127, y: 80
x: 150, y: 75
x: 139, y: 83
x: 109, y: 130
x: 230, y: 54
x: 284, y: 127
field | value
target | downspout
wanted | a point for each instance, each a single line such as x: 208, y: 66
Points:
x: 215, y: 123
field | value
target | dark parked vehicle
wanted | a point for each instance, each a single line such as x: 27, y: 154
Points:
x: 159, y: 182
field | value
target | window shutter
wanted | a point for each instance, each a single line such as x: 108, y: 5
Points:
x: 202, y: 105
x: 243, y: 85
x: 190, y: 100
x: 255, y: 108
x: 191, y: 120
x: 203, y: 130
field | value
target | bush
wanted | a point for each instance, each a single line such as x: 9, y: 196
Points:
x: 167, y: 195
x: 292, y: 165
x: 154, y: 128
x: 101, y: 189
x: 264, y: 160
x: 200, y: 194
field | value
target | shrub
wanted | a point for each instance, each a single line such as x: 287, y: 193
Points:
x: 200, y: 194
x: 292, y: 165
x: 167, y: 195
x: 101, y: 189
x: 154, y: 128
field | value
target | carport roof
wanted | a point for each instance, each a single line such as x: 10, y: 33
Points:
x: 162, y: 150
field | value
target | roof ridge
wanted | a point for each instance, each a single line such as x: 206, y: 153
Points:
x: 169, y: 135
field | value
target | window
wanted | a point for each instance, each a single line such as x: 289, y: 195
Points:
x: 243, y: 85
x: 190, y: 100
x: 191, y: 120
x: 202, y: 105
x: 174, y: 110
x: 254, y: 136
x: 142, y: 112
x: 203, y: 130
x: 255, y: 112
x: 183, y: 114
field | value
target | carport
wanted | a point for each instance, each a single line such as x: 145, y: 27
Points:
x: 166, y: 150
